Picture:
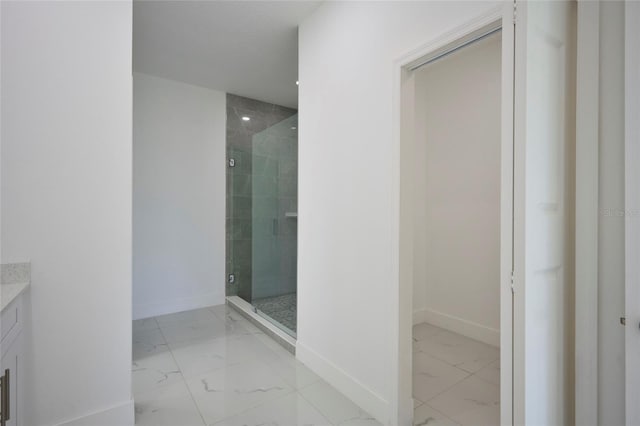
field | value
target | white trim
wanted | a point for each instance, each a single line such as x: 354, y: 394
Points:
x: 449, y: 39
x: 632, y: 210
x: 519, y: 184
x: 507, y: 394
x: 400, y: 300
x: 460, y: 43
x: 357, y: 392
x: 470, y: 329
x: 120, y: 415
x: 401, y: 360
x: 155, y: 309
x: 586, y: 221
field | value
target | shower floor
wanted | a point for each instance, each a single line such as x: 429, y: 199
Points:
x: 282, y: 309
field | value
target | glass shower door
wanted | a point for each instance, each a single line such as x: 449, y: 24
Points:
x: 274, y: 223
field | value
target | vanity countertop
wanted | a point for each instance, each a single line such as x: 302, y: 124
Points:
x: 9, y: 292
x: 14, y: 280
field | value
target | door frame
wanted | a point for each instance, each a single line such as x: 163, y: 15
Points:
x: 401, y: 404
x: 587, y: 211
x: 632, y: 211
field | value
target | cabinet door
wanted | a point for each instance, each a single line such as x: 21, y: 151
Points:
x: 10, y: 361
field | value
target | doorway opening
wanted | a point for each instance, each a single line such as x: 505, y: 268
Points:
x: 537, y: 211
x: 456, y: 234
x: 262, y: 211
x: 456, y: 226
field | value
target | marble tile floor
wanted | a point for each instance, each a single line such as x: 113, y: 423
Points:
x: 212, y: 367
x: 456, y: 380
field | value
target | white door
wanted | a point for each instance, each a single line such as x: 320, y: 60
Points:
x: 543, y: 264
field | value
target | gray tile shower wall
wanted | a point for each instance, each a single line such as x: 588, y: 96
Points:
x: 239, y: 200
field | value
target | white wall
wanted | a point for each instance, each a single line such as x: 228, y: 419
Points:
x: 66, y: 200
x: 457, y: 192
x: 349, y: 191
x: 178, y: 196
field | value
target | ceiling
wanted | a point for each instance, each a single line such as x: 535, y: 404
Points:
x: 248, y: 48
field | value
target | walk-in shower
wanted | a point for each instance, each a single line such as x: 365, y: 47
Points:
x: 262, y: 214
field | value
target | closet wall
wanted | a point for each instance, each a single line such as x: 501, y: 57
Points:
x: 457, y: 199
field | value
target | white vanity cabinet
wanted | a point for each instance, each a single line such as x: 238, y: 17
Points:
x: 11, y: 363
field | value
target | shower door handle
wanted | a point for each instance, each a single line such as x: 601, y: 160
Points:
x: 274, y: 227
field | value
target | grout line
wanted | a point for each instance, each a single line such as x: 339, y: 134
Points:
x: 468, y: 374
x: 441, y: 330
x: 442, y: 414
x: 360, y: 410
x: 145, y: 329
x: 204, y: 422
x: 454, y: 365
x: 483, y: 379
x: 447, y: 389
x: 224, y: 319
x: 240, y: 321
x: 246, y: 410
x: 446, y: 362
x: 294, y: 389
x: 317, y: 408
x: 253, y: 359
x: 318, y: 380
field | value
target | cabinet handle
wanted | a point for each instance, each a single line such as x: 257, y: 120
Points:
x: 5, y: 386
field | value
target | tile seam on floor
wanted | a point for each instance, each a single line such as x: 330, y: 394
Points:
x: 189, y: 323
x: 485, y: 380
x: 256, y: 405
x: 309, y: 384
x: 210, y: 308
x: 195, y: 403
x: 146, y: 329
x: 168, y: 349
x: 439, y: 412
x: 318, y: 408
x: 466, y: 378
x: 470, y: 340
x: 289, y: 361
x: 443, y: 331
x: 468, y: 374
x: 445, y: 390
x: 208, y: 371
x: 254, y: 359
x: 453, y: 365
x: 246, y: 410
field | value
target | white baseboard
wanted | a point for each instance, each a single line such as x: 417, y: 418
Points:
x: 120, y: 415
x: 362, y: 396
x: 154, y: 309
x: 470, y: 329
